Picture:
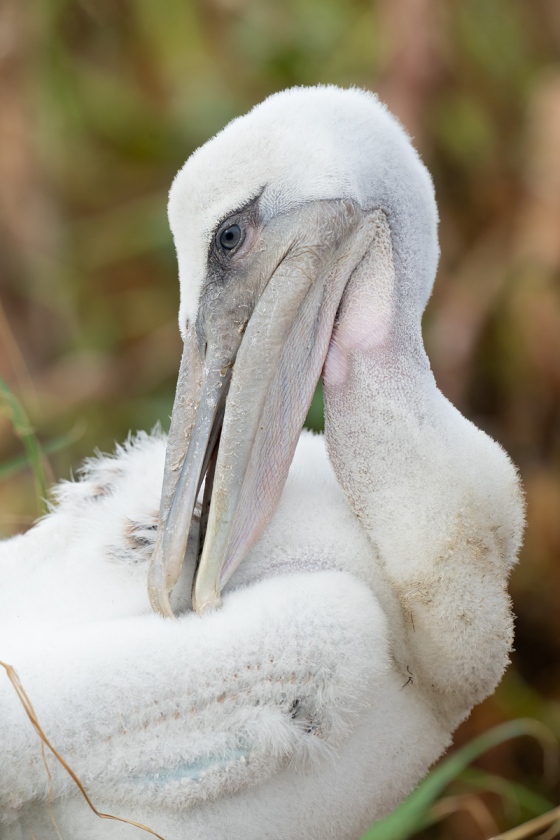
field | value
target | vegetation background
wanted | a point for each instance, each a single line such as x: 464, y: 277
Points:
x: 101, y: 101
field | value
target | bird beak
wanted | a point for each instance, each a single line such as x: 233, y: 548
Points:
x: 250, y: 366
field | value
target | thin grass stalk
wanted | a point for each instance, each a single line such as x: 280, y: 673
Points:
x: 15, y: 465
x: 26, y: 433
x: 31, y: 714
x: 410, y: 815
x: 531, y: 828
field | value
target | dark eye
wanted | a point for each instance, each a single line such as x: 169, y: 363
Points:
x: 230, y: 237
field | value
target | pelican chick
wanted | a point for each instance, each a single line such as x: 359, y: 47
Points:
x: 350, y: 590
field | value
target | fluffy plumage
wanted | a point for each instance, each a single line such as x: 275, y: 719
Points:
x: 365, y: 623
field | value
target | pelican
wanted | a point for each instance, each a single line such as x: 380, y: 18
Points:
x: 328, y: 609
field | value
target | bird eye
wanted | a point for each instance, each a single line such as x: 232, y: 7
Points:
x: 230, y: 237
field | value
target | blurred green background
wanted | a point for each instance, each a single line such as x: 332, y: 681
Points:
x: 101, y: 101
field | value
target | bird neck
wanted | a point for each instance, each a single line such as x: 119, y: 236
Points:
x: 373, y: 427
x: 380, y: 395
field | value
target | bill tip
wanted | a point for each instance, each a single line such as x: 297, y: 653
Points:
x: 207, y: 605
x: 159, y: 599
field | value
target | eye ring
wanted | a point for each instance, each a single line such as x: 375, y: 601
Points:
x: 230, y: 237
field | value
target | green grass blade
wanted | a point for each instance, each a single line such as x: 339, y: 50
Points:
x: 14, y: 465
x: 410, y: 816
x: 25, y: 432
x: 513, y: 792
x: 516, y: 798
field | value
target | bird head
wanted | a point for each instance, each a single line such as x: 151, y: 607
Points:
x: 272, y: 219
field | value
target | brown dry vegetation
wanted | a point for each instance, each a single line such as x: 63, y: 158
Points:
x: 100, y: 103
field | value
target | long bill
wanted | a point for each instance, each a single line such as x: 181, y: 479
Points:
x: 252, y: 396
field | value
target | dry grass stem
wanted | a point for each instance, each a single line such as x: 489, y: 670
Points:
x: 552, y: 832
x: 30, y: 712
x: 531, y: 828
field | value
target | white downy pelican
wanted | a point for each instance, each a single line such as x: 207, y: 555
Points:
x: 364, y: 591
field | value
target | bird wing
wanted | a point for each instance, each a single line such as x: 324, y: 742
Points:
x: 174, y: 713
